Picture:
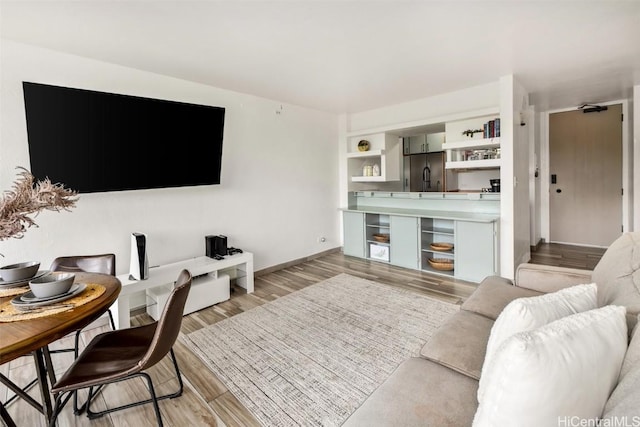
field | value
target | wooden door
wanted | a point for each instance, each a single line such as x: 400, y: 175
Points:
x: 585, y: 192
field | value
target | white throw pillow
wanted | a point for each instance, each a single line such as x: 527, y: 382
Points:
x: 525, y: 314
x: 562, y: 370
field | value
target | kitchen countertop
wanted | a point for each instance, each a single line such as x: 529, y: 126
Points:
x: 424, y: 213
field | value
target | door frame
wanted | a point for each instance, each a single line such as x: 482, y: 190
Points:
x: 627, y: 168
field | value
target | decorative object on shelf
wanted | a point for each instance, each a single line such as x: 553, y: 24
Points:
x: 492, y: 128
x: 30, y: 198
x: 441, y: 246
x: 443, y: 264
x: 471, y: 132
x: 382, y: 238
x: 363, y: 145
x: 367, y: 170
x: 376, y: 170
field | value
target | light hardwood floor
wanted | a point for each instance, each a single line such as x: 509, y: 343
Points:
x: 571, y: 256
x: 206, y: 401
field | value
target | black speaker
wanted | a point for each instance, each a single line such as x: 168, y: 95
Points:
x: 215, y: 245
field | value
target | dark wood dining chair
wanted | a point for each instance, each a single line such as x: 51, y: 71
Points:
x: 123, y: 354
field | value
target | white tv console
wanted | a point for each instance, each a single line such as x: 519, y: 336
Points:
x: 210, y: 285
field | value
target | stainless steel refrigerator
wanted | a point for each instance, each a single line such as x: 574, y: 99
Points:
x: 425, y: 172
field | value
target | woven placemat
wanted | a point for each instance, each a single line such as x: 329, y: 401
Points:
x: 8, y: 313
x: 9, y: 292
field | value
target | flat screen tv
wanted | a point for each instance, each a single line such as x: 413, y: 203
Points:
x: 97, y: 142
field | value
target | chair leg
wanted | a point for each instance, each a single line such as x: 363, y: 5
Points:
x: 113, y: 323
x: 5, y: 417
x: 154, y: 399
x: 57, y: 407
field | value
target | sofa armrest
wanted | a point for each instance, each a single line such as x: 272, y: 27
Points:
x: 548, y: 278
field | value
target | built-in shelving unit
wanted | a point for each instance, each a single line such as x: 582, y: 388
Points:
x: 436, y: 231
x: 459, y: 151
x: 383, y: 154
x: 466, y: 149
x: 378, y: 224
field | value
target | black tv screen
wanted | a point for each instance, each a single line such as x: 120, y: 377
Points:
x: 96, y: 142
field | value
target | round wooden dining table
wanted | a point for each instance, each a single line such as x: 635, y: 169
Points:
x: 32, y: 336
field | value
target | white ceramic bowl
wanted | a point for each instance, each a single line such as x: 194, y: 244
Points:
x: 51, y: 284
x: 20, y: 271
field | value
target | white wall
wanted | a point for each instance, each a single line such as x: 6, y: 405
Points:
x: 635, y: 108
x: 279, y: 183
x: 514, y: 179
x: 470, y: 99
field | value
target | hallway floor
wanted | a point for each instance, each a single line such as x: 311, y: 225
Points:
x: 562, y: 255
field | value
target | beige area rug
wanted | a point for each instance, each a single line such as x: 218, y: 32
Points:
x: 313, y: 356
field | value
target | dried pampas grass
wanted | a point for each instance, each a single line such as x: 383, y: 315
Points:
x: 30, y: 198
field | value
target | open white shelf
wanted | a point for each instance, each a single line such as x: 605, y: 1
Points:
x: 470, y: 144
x: 365, y: 154
x: 474, y: 164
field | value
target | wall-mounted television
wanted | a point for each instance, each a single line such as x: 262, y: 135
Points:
x: 94, y: 141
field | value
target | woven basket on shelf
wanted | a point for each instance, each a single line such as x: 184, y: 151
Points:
x: 444, y: 264
x: 382, y: 238
x: 441, y: 246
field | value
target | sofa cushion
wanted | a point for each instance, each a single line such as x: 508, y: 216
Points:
x: 460, y: 343
x: 419, y: 393
x: 625, y: 399
x: 492, y: 296
x: 561, y: 370
x: 525, y: 314
x: 618, y: 275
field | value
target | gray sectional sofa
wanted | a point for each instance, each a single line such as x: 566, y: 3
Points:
x: 440, y: 388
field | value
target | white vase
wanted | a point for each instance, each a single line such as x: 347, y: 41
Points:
x: 376, y: 170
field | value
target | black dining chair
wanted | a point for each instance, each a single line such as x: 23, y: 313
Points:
x: 123, y: 354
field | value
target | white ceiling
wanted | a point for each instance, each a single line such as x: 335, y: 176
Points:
x: 351, y: 56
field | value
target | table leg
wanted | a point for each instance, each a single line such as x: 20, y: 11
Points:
x: 49, y: 364
x: 41, y: 371
x: 21, y: 393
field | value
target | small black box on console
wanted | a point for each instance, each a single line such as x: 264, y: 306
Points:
x: 215, y: 245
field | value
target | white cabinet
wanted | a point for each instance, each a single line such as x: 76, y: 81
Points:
x: 404, y: 241
x: 383, y: 155
x: 476, y: 244
x: 451, y: 245
x: 210, y: 285
x: 353, y: 224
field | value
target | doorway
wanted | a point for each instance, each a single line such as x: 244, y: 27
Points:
x: 585, y: 163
